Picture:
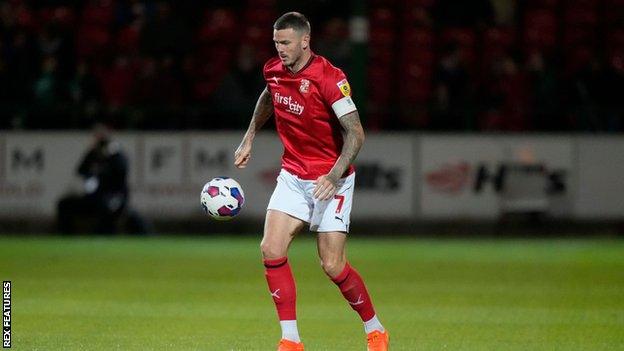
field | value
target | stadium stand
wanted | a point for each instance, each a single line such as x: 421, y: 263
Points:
x: 498, y: 65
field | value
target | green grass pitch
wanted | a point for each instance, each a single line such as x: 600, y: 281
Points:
x: 210, y: 294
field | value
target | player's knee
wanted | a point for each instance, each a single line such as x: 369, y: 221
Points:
x: 332, y: 266
x: 271, y: 251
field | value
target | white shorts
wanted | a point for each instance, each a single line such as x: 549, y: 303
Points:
x: 294, y: 196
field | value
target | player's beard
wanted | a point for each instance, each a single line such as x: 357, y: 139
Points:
x: 287, y: 61
x: 291, y: 62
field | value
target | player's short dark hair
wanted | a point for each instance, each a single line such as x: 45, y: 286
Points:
x: 294, y: 20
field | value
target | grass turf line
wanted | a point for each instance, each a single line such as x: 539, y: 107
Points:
x: 210, y: 294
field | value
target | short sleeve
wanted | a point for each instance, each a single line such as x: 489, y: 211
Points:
x: 337, y: 92
x: 265, y: 68
x: 264, y: 73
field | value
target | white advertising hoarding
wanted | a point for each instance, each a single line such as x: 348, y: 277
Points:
x: 168, y: 170
x: 35, y: 169
x: 399, y: 176
x: 601, y: 178
x: 384, y: 183
x: 465, y: 176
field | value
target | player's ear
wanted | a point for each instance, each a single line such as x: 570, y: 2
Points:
x: 305, y: 41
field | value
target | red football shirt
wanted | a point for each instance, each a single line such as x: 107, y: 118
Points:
x: 307, y: 106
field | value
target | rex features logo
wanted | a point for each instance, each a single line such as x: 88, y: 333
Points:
x: 291, y: 105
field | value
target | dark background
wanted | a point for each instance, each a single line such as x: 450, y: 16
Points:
x: 445, y: 65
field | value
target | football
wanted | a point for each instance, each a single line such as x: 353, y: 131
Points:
x: 222, y: 198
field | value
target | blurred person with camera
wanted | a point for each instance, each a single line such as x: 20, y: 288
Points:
x: 104, y: 171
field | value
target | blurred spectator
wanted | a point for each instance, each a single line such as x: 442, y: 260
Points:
x: 504, y: 11
x: 84, y: 92
x: 612, y: 99
x: 440, y: 63
x: 452, y: 92
x: 169, y: 75
x: 146, y: 88
x: 22, y: 62
x: 240, y: 88
x: 217, y: 26
x: 104, y: 170
x: 47, y: 96
x: 117, y: 82
x: 505, y: 98
x: 46, y: 86
x: 128, y: 37
x: 333, y: 42
x: 544, y: 94
x: 159, y: 89
x: 166, y: 33
x: 584, y: 92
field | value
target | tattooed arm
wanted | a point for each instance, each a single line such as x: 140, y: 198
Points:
x: 262, y: 112
x: 353, y: 135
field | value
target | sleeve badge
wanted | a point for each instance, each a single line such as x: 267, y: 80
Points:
x: 344, y: 87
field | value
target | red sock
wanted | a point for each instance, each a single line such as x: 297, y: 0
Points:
x: 282, y: 287
x: 353, y: 289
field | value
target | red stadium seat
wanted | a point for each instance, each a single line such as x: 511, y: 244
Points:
x: 540, y: 31
x: 218, y: 26
x: 534, y: 39
x: 541, y: 18
x: 417, y: 37
x: 98, y: 12
x: 416, y: 16
x: 497, y: 42
x: 381, y: 55
x: 381, y: 36
x: 415, y: 81
x: 381, y: 87
x: 117, y: 81
x: 128, y: 38
x: 25, y: 17
x: 581, y: 16
x: 577, y: 58
x: 92, y: 40
x: 420, y: 55
x: 464, y: 37
x: 382, y: 17
x: 211, y: 68
x: 64, y: 16
x: 499, y: 37
x: 616, y: 38
x: 263, y: 17
x: 576, y: 35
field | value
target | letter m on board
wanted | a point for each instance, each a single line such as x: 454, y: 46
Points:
x: 23, y: 160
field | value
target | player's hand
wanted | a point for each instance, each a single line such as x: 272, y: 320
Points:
x: 325, y: 188
x: 242, y: 154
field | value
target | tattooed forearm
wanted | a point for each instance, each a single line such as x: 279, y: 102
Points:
x: 262, y: 112
x: 353, y: 140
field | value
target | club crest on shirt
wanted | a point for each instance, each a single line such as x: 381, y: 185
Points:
x: 344, y: 87
x: 305, y: 86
